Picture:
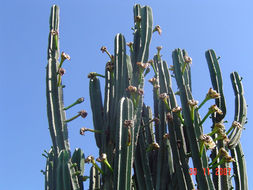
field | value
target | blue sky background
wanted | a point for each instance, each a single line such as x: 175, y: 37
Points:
x: 225, y: 26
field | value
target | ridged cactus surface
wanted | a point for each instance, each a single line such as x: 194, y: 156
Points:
x: 163, y: 149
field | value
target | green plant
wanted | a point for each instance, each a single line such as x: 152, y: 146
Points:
x: 140, y: 149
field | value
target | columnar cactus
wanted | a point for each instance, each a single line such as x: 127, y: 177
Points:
x: 140, y: 149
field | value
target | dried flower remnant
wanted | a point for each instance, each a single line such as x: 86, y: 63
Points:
x: 211, y: 94
x: 81, y: 113
x: 158, y: 29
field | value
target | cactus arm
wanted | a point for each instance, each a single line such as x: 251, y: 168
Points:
x: 217, y: 83
x: 94, y: 179
x: 78, y: 159
x: 185, y: 95
x: 124, y: 151
x: 97, y: 109
x: 146, y: 32
x: 241, y: 179
x: 240, y: 109
x: 187, y: 73
x: 176, y: 134
x: 55, y: 105
x: 50, y: 174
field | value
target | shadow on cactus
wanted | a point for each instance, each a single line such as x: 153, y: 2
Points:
x: 141, y: 148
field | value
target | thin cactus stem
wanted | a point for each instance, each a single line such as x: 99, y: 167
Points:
x: 72, y: 118
x: 59, y: 80
x: 215, y: 159
x: 192, y: 113
x: 179, y: 114
x: 78, y: 101
x: 206, y: 116
x: 230, y: 129
x: 184, y: 67
x: 217, y: 164
x: 202, y: 103
x: 201, y: 148
x: 97, y: 167
x: 154, y: 69
x: 213, y: 132
x: 108, y: 165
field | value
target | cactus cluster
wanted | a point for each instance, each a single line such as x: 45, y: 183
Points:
x: 140, y: 148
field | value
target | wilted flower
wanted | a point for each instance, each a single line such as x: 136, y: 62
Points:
x: 62, y: 71
x: 103, y: 49
x: 237, y: 124
x: 143, y: 65
x: 219, y: 126
x: 140, y: 91
x: 163, y: 96
x: 65, y: 56
x: 193, y: 103
x: 187, y: 59
x: 155, y: 146
x: 153, y: 80
x: 130, y: 44
x: 212, y: 94
x: 89, y: 159
x: 176, y: 109
x: 54, y: 32
x: 156, y: 86
x: 128, y: 123
x: 166, y: 136
x: 158, y: 29
x: 159, y: 48
x: 208, y: 141
x: 214, y: 108
x: 83, y: 113
x: 131, y: 89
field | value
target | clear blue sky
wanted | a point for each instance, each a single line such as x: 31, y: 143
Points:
x: 196, y: 25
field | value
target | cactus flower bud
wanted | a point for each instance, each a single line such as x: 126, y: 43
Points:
x: 83, y: 113
x: 62, y: 71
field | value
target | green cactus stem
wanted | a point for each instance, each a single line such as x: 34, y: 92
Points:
x: 84, y: 129
x: 78, y: 101
x: 211, y: 110
x: 81, y: 113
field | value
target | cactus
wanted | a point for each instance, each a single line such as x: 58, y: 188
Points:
x: 138, y: 149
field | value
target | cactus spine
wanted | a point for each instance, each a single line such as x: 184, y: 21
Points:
x: 140, y: 149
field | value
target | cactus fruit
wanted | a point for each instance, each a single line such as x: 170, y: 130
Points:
x: 140, y: 149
